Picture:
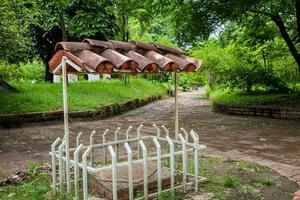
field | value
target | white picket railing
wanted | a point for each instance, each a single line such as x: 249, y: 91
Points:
x: 143, y: 140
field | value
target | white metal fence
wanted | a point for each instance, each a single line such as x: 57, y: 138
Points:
x: 147, y: 145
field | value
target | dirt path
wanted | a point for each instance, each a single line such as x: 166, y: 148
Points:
x: 270, y: 139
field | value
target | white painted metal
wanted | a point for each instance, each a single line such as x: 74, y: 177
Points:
x: 84, y: 173
x: 172, y: 163
x: 128, y: 131
x: 176, y: 77
x: 78, y: 139
x: 158, y: 154
x: 116, y: 139
x: 91, y: 144
x: 184, y: 162
x: 103, y: 142
x: 53, y: 146
x: 196, y: 158
x: 114, y: 172
x: 60, y: 165
x: 186, y: 134
x: 76, y: 170
x: 167, y: 132
x: 89, y: 168
x: 66, y: 121
x: 130, y: 182
x: 139, y: 133
x: 145, y: 168
x: 157, y: 130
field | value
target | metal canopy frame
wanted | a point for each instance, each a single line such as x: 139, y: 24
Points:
x: 63, y: 68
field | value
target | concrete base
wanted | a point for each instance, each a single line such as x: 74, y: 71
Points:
x: 101, y: 184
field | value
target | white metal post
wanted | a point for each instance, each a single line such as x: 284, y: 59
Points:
x: 84, y: 173
x: 166, y: 130
x: 184, y: 161
x: 54, y: 164
x: 176, y: 77
x: 116, y: 138
x: 158, y: 154
x: 91, y: 144
x: 196, y: 158
x: 145, y: 168
x: 157, y: 130
x: 76, y: 170
x: 104, y: 148
x: 172, y: 163
x: 128, y: 131
x: 78, y: 139
x: 60, y: 164
x: 130, y: 182
x: 138, y: 136
x: 114, y: 171
x: 66, y: 121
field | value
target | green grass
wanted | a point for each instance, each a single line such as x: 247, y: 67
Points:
x: 82, y: 95
x: 228, y: 97
x: 230, y: 181
x: 266, y: 181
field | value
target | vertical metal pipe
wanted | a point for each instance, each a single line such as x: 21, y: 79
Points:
x: 78, y: 139
x: 128, y: 131
x: 186, y: 134
x: 138, y: 136
x: 114, y: 171
x: 130, y: 182
x: 158, y: 154
x: 157, y: 130
x: 167, y: 132
x: 196, y: 159
x: 184, y: 162
x: 76, y: 170
x: 60, y: 165
x: 66, y: 121
x: 172, y: 163
x: 145, y: 168
x: 54, y: 164
x: 116, y: 138
x: 84, y: 173
x: 176, y: 77
x: 104, y: 148
x: 91, y: 144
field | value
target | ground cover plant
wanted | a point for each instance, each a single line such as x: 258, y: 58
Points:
x: 82, y: 95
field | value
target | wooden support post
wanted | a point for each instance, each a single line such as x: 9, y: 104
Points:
x: 66, y: 121
x: 176, y: 77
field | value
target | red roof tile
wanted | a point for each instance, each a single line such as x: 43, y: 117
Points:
x: 95, y: 56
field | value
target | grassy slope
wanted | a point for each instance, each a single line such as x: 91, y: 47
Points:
x: 82, y: 95
x: 236, y: 98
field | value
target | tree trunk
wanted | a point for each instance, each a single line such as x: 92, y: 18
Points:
x: 278, y: 21
x: 63, y: 26
x: 298, y: 16
x: 7, y: 87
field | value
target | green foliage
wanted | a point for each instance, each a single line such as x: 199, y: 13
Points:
x: 82, y: 95
x: 30, y: 71
x: 266, y: 181
x: 230, y: 180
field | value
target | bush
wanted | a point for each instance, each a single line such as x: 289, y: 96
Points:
x: 31, y: 71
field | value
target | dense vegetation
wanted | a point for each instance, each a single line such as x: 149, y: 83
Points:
x: 247, y: 46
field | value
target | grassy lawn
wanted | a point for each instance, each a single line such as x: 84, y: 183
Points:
x: 82, y: 95
x: 258, y: 98
x: 226, y: 180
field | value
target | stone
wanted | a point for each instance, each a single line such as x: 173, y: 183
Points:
x: 100, y: 184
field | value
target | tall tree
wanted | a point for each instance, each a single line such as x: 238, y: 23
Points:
x: 196, y: 19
